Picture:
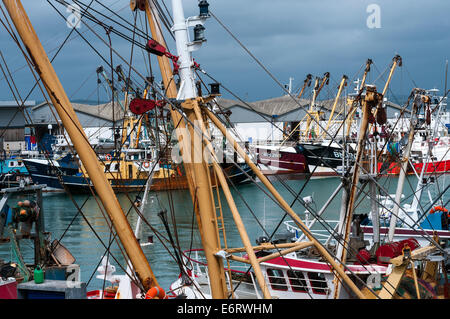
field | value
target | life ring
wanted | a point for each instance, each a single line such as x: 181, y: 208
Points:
x: 146, y: 164
x: 440, y: 209
x: 156, y: 292
x: 172, y: 175
x: 108, y: 157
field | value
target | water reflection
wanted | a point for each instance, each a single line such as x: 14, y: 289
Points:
x: 80, y: 239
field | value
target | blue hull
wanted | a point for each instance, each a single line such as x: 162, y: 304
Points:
x: 44, y: 173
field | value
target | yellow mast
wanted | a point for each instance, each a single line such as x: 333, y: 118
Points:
x: 312, y: 110
x: 87, y: 155
x: 197, y: 172
x: 353, y: 103
x: 306, y: 83
x: 397, y: 61
x: 341, y: 87
x: 195, y: 110
x: 371, y: 100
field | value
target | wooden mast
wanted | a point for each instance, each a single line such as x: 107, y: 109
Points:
x: 341, y: 87
x: 86, y: 153
x: 192, y: 108
x: 306, y: 83
x: 232, y: 205
x: 312, y: 109
x: 404, y: 164
x: 371, y: 100
x: 353, y: 105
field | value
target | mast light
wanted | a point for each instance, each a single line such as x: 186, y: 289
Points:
x: 199, y: 33
x: 204, y: 10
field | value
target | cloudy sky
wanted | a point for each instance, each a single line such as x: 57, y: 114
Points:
x: 290, y: 37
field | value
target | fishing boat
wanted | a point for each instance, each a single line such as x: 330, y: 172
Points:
x: 127, y: 173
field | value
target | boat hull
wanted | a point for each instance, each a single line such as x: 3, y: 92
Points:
x: 42, y: 172
x: 274, y: 160
x: 323, y: 160
x: 405, y: 233
x: 437, y: 167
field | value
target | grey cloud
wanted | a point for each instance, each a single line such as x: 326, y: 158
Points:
x: 291, y: 37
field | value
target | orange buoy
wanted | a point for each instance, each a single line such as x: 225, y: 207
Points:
x: 156, y: 293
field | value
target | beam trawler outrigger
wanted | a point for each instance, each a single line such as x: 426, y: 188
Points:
x: 276, y: 270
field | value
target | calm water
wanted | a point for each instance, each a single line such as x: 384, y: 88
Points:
x: 88, y: 250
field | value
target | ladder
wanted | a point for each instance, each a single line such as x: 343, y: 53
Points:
x: 220, y: 225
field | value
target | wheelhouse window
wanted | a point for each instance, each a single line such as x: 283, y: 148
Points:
x: 318, y: 283
x: 297, y: 281
x: 276, y: 279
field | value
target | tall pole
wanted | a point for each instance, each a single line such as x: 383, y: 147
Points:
x: 207, y: 212
x: 347, y: 208
x: 446, y: 74
x: 312, y: 107
x: 397, y: 61
x: 171, y: 93
x: 306, y: 83
x: 341, y: 87
x: 201, y: 186
x: 86, y: 153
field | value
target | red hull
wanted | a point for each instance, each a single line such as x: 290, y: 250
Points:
x: 430, y: 168
x: 292, y: 162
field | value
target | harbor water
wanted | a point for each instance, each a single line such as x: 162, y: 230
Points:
x: 86, y: 235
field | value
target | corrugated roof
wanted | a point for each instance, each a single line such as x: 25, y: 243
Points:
x: 103, y: 111
x: 14, y: 103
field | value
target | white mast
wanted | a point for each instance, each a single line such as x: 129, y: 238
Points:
x: 405, y: 162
